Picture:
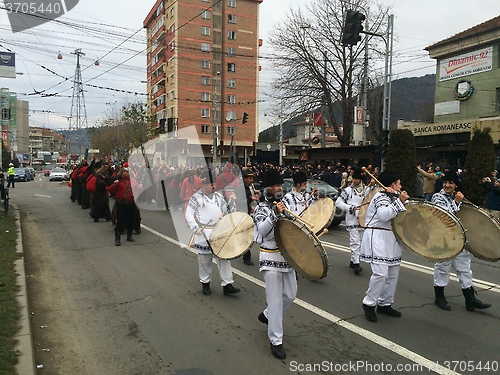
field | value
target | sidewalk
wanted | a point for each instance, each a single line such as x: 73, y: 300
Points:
x: 26, y: 365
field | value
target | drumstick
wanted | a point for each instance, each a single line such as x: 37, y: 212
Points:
x: 298, y: 217
x: 373, y: 177
x: 325, y: 231
x: 377, y: 181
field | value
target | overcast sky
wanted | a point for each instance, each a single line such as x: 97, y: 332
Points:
x: 111, y: 31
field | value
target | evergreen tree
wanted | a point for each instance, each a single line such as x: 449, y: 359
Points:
x: 479, y: 164
x: 402, y: 158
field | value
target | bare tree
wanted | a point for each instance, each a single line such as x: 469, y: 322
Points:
x: 314, y: 69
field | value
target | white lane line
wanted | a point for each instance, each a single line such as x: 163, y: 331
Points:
x: 379, y: 340
x: 421, y: 268
x: 41, y: 195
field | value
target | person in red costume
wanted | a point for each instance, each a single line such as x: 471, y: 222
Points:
x: 122, y: 190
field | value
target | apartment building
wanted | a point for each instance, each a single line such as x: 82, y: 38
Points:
x: 202, y: 72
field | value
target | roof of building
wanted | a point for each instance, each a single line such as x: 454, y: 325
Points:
x: 484, y: 27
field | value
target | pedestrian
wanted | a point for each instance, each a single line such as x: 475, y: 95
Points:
x: 349, y: 201
x: 204, y: 210
x: 10, y: 176
x: 279, y: 277
x: 493, y: 198
x: 252, y: 196
x: 429, y: 181
x: 122, y: 190
x: 380, y: 248
x: 99, y: 199
x: 451, y: 199
x: 190, y: 185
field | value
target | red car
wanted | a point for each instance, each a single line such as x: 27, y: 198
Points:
x: 47, y: 169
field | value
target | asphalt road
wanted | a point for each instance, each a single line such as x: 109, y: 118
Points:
x: 138, y: 308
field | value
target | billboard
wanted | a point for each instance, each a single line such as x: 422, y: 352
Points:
x: 466, y: 64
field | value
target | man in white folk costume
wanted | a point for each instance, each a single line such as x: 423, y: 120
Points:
x: 297, y: 199
x: 380, y: 248
x: 205, y: 208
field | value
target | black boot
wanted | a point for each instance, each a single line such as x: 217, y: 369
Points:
x: 357, y: 268
x: 471, y: 302
x: 117, y: 237
x: 206, y: 289
x: 247, y: 258
x: 229, y: 289
x: 370, y: 313
x: 440, y: 300
x: 129, y: 237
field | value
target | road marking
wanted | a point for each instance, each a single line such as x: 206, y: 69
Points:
x: 421, y: 268
x: 379, y: 340
x: 44, y: 196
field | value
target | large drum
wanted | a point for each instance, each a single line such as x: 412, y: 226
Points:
x: 319, y: 214
x: 429, y: 230
x: 364, y: 205
x: 483, y: 231
x: 301, y: 248
x: 232, y: 235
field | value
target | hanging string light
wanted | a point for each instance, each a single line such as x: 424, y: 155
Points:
x: 59, y: 56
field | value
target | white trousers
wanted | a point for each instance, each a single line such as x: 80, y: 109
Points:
x: 355, y: 237
x: 382, y: 286
x: 281, y: 290
x: 461, y: 264
x: 205, y: 269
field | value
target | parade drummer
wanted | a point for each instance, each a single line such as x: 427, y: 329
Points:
x: 298, y: 199
x: 205, y: 208
x: 451, y: 200
x: 279, y: 276
x: 349, y: 201
x: 380, y: 248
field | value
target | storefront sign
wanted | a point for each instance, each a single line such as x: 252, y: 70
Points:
x: 422, y: 129
x: 466, y: 64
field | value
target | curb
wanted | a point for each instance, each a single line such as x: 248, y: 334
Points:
x: 24, y: 348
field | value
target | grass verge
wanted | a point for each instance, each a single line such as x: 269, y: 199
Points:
x: 9, y: 309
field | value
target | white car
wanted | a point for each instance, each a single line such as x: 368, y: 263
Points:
x: 58, y: 174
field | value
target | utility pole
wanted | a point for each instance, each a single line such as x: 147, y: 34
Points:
x: 78, y: 117
x: 387, y: 86
x: 325, y: 111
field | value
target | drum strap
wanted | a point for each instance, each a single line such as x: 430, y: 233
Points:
x: 390, y: 230
x: 354, y: 226
x: 269, y: 250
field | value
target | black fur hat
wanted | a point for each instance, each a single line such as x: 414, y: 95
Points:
x: 357, y: 174
x: 272, y: 177
x: 299, y: 177
x: 386, y: 178
x: 451, y: 176
x: 207, y: 177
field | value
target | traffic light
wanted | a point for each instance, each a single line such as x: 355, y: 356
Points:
x: 352, y: 28
x: 244, y: 120
x: 384, y: 143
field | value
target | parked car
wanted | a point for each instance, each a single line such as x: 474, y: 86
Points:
x: 58, y: 174
x: 22, y: 174
x: 47, y: 169
x: 325, y: 190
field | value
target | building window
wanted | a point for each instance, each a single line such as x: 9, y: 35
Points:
x: 231, y: 18
x: 231, y: 3
x: 172, y: 45
x: 230, y: 130
x: 231, y: 99
x: 231, y: 35
x: 172, y: 95
x: 231, y: 67
x: 172, y: 12
x: 205, y: 1
x: 171, y: 62
x: 205, y: 96
x: 205, y: 14
x: 205, y: 30
x: 230, y: 115
x: 171, y: 79
x: 205, y: 112
x: 231, y: 83
x: 205, y: 129
x: 205, y: 64
x: 205, y: 81
x: 205, y: 47
x: 231, y: 51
